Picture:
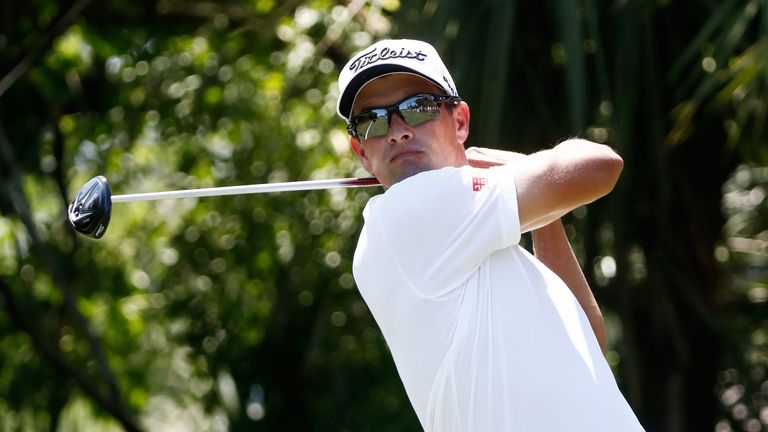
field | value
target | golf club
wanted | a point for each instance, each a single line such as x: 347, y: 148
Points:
x: 89, y: 213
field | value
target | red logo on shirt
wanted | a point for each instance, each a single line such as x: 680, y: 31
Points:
x: 478, y: 183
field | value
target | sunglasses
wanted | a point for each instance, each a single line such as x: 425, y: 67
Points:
x: 414, y: 110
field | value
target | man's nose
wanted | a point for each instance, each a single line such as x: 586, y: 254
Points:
x: 399, y: 130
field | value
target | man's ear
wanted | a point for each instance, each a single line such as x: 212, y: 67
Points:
x: 461, y: 119
x: 357, y: 147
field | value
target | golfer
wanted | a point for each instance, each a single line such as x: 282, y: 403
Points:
x: 485, y: 336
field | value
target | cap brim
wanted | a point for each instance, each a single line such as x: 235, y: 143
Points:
x: 361, y: 79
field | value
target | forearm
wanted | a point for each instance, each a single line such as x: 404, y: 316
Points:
x: 552, y: 248
x: 481, y: 157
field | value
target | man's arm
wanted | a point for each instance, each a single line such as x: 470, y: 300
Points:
x: 553, y: 182
x: 551, y: 247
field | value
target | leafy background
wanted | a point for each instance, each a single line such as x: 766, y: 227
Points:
x: 240, y: 313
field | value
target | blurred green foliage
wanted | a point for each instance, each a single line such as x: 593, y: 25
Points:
x: 226, y: 313
x: 240, y: 313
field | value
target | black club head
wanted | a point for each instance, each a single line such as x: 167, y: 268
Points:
x: 91, y: 209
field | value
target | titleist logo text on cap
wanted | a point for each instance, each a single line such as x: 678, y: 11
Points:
x: 385, y: 53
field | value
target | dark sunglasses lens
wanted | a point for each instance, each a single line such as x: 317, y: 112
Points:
x: 372, y: 124
x: 419, y: 110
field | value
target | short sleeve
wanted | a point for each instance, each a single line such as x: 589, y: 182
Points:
x: 439, y: 226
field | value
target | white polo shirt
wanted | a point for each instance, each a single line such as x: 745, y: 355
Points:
x: 484, y: 336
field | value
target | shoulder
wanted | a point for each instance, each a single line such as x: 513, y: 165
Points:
x: 450, y: 180
x: 452, y: 193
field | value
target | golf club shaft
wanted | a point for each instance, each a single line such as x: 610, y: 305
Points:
x: 250, y: 189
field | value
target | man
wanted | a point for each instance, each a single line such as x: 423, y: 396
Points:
x: 485, y: 337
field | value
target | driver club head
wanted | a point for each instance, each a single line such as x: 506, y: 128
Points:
x: 90, y: 211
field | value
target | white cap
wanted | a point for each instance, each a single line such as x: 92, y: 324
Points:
x: 386, y: 57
